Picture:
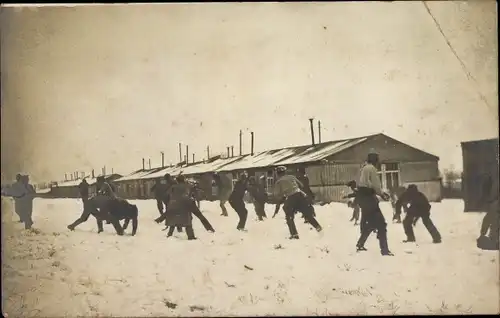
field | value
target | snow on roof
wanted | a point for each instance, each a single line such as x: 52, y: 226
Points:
x: 318, y: 152
x: 209, y: 166
x: 135, y: 175
x: 74, y: 183
x: 262, y: 159
x: 285, y: 156
x: 160, y: 173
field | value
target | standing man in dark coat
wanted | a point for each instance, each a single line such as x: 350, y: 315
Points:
x: 164, y: 195
x: 159, y: 190
x: 236, y: 200
x: 419, y: 207
x: 259, y: 195
x: 289, y: 186
x: 184, y: 189
x: 180, y: 212
x: 306, y: 188
x: 369, y: 187
x: 83, y: 187
x: 304, y: 180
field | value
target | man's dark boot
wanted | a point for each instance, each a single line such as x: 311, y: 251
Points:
x: 190, y: 233
x: 360, y: 248
x: 170, y: 231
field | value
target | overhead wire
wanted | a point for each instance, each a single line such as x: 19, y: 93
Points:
x: 454, y: 52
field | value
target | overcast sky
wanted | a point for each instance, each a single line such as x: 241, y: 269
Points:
x: 90, y: 86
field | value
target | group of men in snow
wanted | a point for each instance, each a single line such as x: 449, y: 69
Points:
x: 106, y: 206
x: 178, y: 200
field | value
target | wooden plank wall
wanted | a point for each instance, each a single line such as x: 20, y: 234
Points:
x: 332, y: 174
x: 330, y: 193
x: 418, y: 171
x: 328, y: 181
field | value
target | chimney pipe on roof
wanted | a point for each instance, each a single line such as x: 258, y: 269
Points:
x: 104, y: 170
x: 208, y: 152
x: 180, y: 152
x: 312, y: 130
x: 251, y: 147
x: 112, y: 171
x: 232, y: 151
x: 241, y: 143
x: 228, y: 154
x: 319, y: 131
x: 149, y: 160
x: 162, y: 159
x: 65, y: 177
x: 143, y: 164
x: 193, y: 159
x: 187, y: 154
x: 93, y: 174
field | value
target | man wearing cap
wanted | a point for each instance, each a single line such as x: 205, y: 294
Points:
x: 289, y: 186
x: 419, y: 207
x: 369, y: 186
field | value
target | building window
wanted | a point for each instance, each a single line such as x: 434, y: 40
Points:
x: 269, y: 183
x: 390, y: 176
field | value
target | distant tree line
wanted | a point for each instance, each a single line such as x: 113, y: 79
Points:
x: 452, y: 184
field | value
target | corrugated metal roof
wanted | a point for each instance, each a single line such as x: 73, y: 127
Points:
x: 262, y: 159
x: 135, y: 175
x: 210, y: 166
x: 74, y: 183
x: 318, y: 152
x: 160, y: 173
x: 285, y: 156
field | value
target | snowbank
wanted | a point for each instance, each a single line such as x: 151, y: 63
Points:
x: 54, y: 272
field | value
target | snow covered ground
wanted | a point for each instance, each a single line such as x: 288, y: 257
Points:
x: 51, y: 271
